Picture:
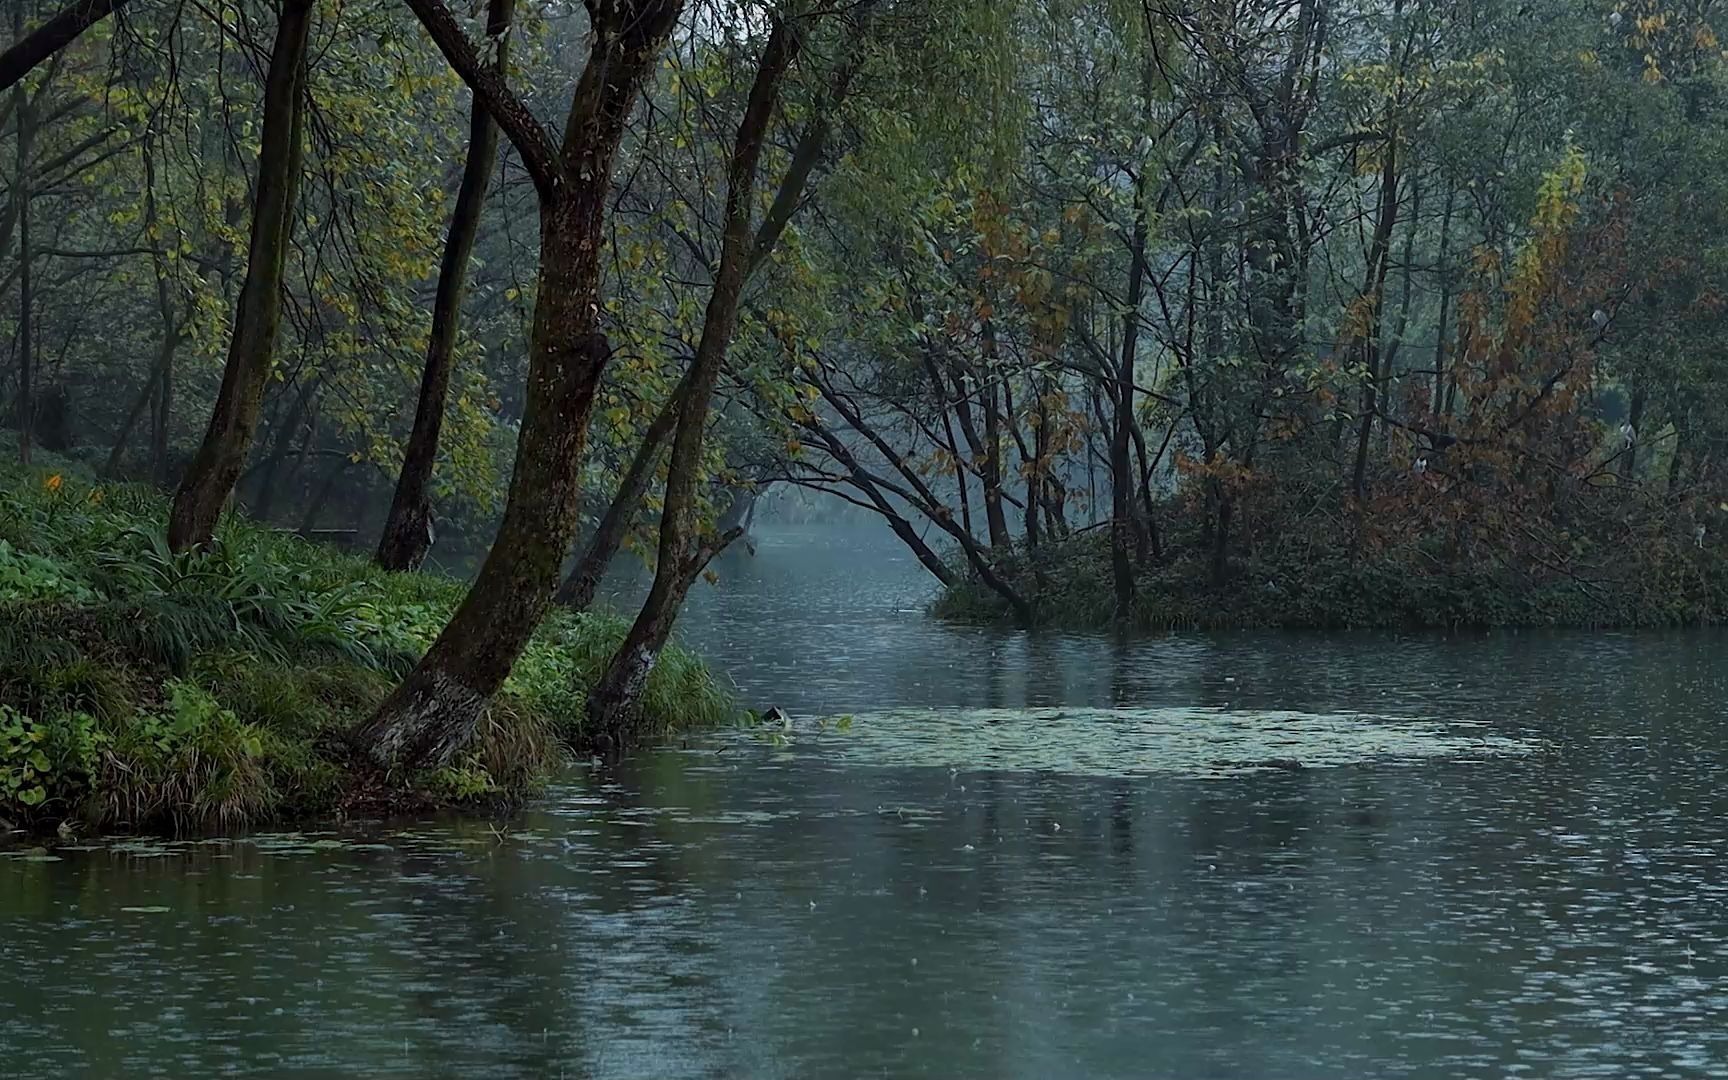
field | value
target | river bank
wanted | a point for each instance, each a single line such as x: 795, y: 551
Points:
x: 147, y: 691
x: 1653, y: 584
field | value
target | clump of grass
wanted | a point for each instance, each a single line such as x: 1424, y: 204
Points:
x: 152, y: 690
x: 190, y: 764
x: 570, y: 654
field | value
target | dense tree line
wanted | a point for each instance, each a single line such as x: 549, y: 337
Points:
x: 1268, y: 286
x: 1195, y: 286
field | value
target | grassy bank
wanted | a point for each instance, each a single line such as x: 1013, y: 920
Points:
x: 143, y: 690
x: 1660, y: 581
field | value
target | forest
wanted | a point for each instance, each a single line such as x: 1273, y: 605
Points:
x: 350, y: 343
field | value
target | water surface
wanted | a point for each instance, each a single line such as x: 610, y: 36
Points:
x: 739, y: 907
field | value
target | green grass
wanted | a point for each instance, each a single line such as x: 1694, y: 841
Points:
x: 145, y: 690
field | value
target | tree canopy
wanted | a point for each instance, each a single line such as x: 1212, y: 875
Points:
x: 1217, y: 292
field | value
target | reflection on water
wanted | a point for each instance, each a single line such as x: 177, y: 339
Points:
x: 740, y: 909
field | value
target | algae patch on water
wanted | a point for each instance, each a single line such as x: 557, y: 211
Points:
x: 1195, y: 742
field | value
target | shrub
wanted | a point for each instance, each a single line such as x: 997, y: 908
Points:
x: 46, y: 765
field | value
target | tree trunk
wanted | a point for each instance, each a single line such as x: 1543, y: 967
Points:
x: 173, y: 333
x: 902, y: 528
x: 1373, y: 297
x: 315, y: 506
x: 1442, y: 377
x: 1401, y: 324
x: 583, y: 581
x: 26, y: 406
x: 1122, y: 433
x: 1035, y: 474
x: 269, y: 488
x: 148, y: 394
x: 1148, y: 545
x: 962, y: 484
x: 916, y: 493
x: 991, y: 466
x: 433, y: 714
x: 612, y: 702
x: 210, y: 479
x: 1221, y: 534
x: 408, y: 526
x: 162, y: 415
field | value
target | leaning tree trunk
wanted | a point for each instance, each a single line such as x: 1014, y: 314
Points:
x: 583, y: 582
x: 433, y: 714
x: 408, y: 527
x: 612, y: 702
x: 210, y: 479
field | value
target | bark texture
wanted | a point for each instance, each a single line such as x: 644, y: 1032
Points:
x: 433, y: 714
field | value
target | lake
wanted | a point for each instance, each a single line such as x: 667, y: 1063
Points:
x: 1547, y: 898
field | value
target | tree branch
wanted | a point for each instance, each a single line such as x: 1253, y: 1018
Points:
x: 52, y: 36
x: 532, y: 143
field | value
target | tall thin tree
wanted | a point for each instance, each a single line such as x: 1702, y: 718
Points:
x: 683, y: 551
x: 210, y: 479
x: 408, y: 527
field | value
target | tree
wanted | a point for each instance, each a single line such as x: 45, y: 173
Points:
x: 435, y: 710
x: 408, y: 527
x: 209, y: 482
x: 682, y: 552
x: 24, y: 110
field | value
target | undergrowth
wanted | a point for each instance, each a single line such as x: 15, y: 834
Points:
x: 142, y: 689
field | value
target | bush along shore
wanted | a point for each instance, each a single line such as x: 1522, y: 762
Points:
x: 142, y: 690
x: 1305, y: 575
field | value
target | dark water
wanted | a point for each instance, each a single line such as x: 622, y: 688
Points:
x: 773, y: 911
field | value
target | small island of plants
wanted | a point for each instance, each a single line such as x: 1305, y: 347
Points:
x: 143, y: 690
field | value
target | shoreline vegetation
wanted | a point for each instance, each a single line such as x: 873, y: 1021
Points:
x: 147, y: 691
x: 1621, y: 567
